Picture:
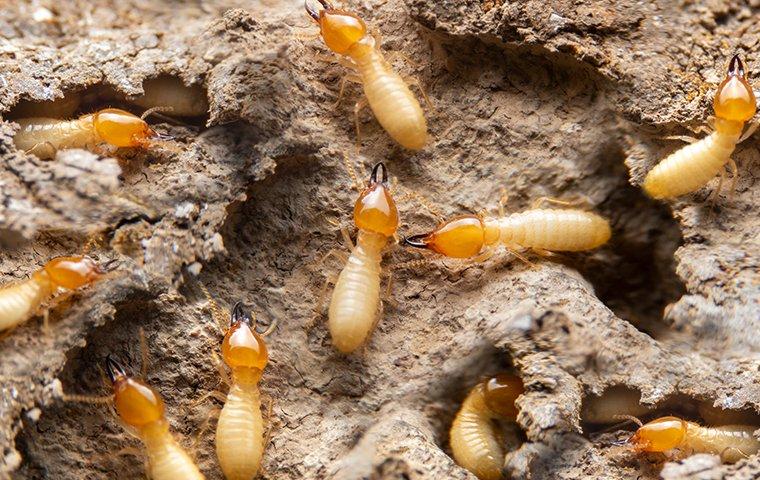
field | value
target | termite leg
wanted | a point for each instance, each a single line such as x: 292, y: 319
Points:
x: 144, y: 355
x: 220, y: 369
x: 713, y: 197
x: 377, y: 36
x: 503, y: 199
x: 216, y: 311
x: 360, y: 105
x: 320, y: 305
x: 347, y: 238
x: 216, y: 394
x: 580, y: 201
x: 734, y: 177
x: 414, y: 81
x: 751, y: 130
x: 268, y: 432
x: 351, y: 77
x: 520, y: 257
x: 213, y: 412
x: 683, y: 138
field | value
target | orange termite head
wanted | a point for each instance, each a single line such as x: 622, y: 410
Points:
x: 243, y: 347
x: 122, y: 129
x: 136, y: 403
x: 340, y: 30
x: 735, y: 99
x: 659, y: 435
x: 500, y: 394
x: 72, y: 272
x: 460, y: 237
x: 375, y: 210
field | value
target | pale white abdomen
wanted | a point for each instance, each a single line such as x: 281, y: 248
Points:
x: 19, y: 301
x: 394, y: 104
x: 170, y: 92
x: 240, y: 433
x: 43, y: 137
x: 731, y: 442
x: 474, y: 440
x: 691, y: 167
x: 558, y: 230
x: 167, y: 460
x: 356, y: 299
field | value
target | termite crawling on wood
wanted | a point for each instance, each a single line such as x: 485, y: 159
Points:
x: 43, y: 137
x: 19, y: 301
x: 389, y: 97
x: 355, y: 302
x: 475, y: 440
x: 666, y: 434
x: 554, y: 230
x: 142, y: 410
x: 694, y: 165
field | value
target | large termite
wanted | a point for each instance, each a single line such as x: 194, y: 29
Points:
x: 43, y: 137
x: 19, y: 301
x: 388, y: 95
x: 142, y: 410
x: 474, y: 437
x: 355, y: 302
x: 539, y: 229
x: 666, y: 434
x: 691, y: 167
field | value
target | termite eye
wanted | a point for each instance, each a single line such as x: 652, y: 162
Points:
x: 72, y: 272
x: 660, y: 435
x: 501, y: 392
x: 244, y: 348
x: 735, y: 99
x: 120, y: 128
x: 462, y: 237
x: 341, y: 30
x: 136, y: 403
x: 375, y: 209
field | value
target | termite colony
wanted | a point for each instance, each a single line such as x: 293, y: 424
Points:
x: 476, y: 437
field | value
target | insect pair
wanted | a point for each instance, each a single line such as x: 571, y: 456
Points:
x: 356, y: 298
x: 240, y: 428
x: 477, y: 444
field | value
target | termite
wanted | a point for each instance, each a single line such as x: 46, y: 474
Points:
x: 142, y: 410
x: 240, y: 430
x: 43, y: 137
x: 615, y: 402
x: 355, y: 302
x: 389, y: 97
x: 179, y: 99
x: 475, y: 440
x: 665, y: 434
x: 694, y: 165
x: 543, y: 230
x: 60, y: 107
x: 19, y: 301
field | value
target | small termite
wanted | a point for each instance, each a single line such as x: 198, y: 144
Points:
x: 355, y: 302
x: 43, y: 137
x: 389, y: 97
x: 475, y: 440
x: 240, y: 430
x: 665, y: 434
x: 178, y: 99
x: 616, y: 402
x: 691, y: 167
x: 543, y: 230
x: 142, y: 410
x: 19, y: 301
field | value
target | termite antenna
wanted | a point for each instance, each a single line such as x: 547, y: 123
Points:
x: 416, y: 241
x: 114, y: 369
x: 629, y: 418
x: 153, y: 110
x: 736, y: 67
x: 373, y: 177
x: 240, y: 314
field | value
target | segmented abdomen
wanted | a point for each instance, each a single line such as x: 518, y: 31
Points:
x: 731, y: 442
x: 474, y: 441
x: 559, y: 230
x: 689, y: 168
x: 355, y: 301
x: 240, y: 433
x: 394, y: 105
x: 18, y: 302
x: 43, y: 137
x: 167, y: 460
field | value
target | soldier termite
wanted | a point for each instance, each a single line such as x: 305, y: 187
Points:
x: 474, y: 437
x: 666, y: 434
x: 240, y: 429
x: 543, y: 230
x: 43, y: 137
x: 691, y: 167
x: 355, y: 302
x: 388, y: 95
x: 19, y: 301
